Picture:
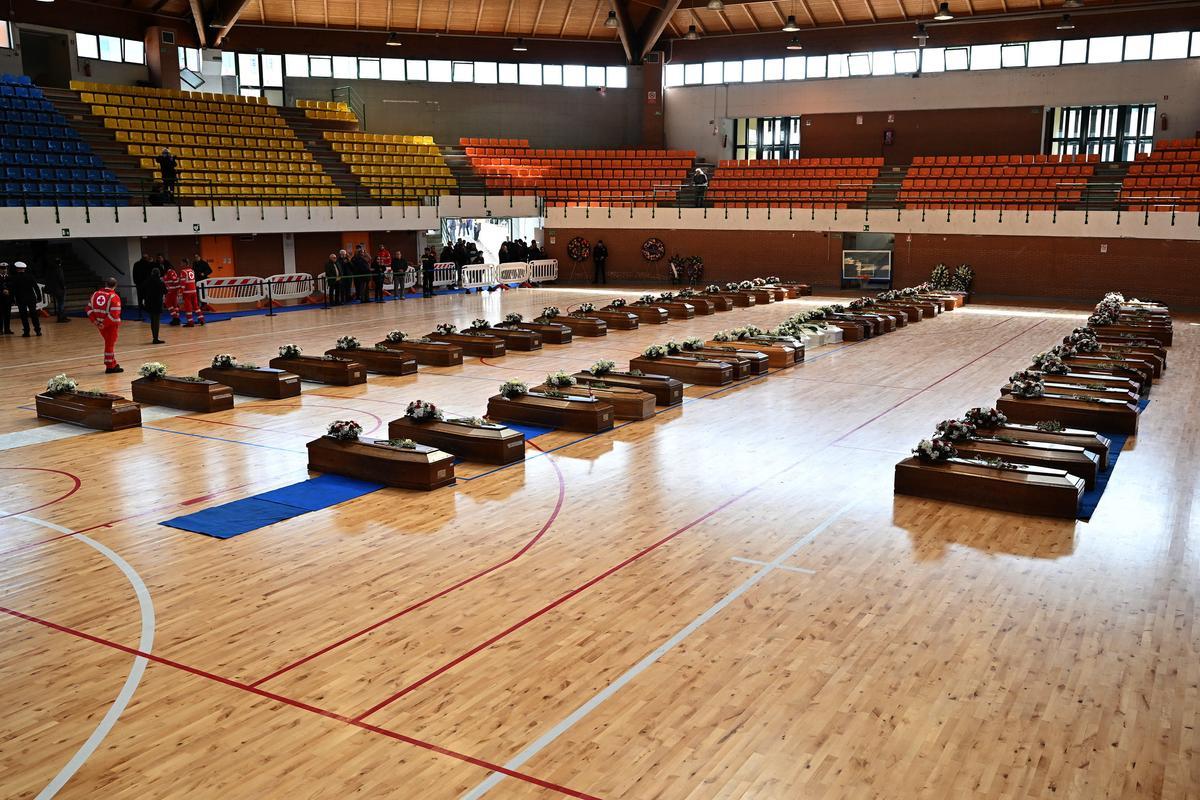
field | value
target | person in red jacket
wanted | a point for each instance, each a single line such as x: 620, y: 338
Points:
x: 104, y: 310
x: 189, y: 294
x: 171, y: 279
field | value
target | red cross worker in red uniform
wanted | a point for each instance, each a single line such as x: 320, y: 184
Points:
x: 104, y: 310
x: 171, y: 279
x: 191, y: 299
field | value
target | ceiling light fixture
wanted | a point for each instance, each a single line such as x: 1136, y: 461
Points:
x: 1072, y: 3
x: 519, y: 45
x: 794, y: 44
x: 692, y: 34
x: 921, y: 35
x: 943, y: 14
x: 1066, y: 24
x: 611, y: 20
x: 393, y: 40
x: 790, y: 26
x: 716, y: 5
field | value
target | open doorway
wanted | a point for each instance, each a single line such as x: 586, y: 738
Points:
x: 489, y: 233
x: 46, y: 58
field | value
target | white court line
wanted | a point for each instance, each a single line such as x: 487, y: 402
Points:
x: 578, y: 714
x: 767, y: 563
x: 145, y: 643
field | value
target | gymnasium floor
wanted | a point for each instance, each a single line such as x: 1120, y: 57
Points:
x: 726, y: 601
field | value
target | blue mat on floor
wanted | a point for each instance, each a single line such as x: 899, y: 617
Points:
x: 530, y: 431
x: 1091, y: 499
x: 242, y: 516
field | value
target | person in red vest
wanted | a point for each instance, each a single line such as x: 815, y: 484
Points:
x: 171, y: 279
x: 104, y: 310
x: 191, y: 299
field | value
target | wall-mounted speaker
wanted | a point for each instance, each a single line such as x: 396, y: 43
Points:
x: 168, y: 37
x: 653, y: 58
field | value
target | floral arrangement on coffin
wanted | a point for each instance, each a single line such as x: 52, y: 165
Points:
x: 348, y: 343
x: 226, y: 361
x: 618, y: 302
x: 474, y: 422
x: 513, y: 319
x: 911, y: 291
x: 1049, y: 426
x: 836, y: 308
x: 745, y: 285
x: 887, y: 296
x: 479, y: 325
x: 61, y: 384
x: 666, y: 297
x: 513, y: 388
x: 289, y: 351
x: 955, y: 430
x: 712, y: 288
x: 654, y: 351
x: 601, y: 368
x: 153, y: 370
x: 1028, y: 385
x: 673, y: 348
x: 344, y: 430
x: 932, y: 451
x: 984, y: 417
x: 396, y: 336
x: 964, y: 276
x: 1050, y: 363
x: 1081, y: 342
x: 1101, y: 318
x: 868, y: 302
x: 445, y: 328
x: 731, y: 287
x: 548, y: 314
x: 940, y: 276
x: 421, y: 411
x: 1114, y: 297
x: 559, y: 381
x: 773, y: 280
x: 857, y: 305
x: 738, y: 333
x: 759, y: 281
x: 402, y: 444
x: 692, y: 343
x: 645, y: 300
x: 583, y: 309
x: 723, y: 336
x: 752, y: 330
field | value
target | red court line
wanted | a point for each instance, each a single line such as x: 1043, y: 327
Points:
x: 59, y: 499
x: 442, y: 593
x: 479, y: 762
x: 378, y: 421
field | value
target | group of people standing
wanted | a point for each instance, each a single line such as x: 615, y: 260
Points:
x: 518, y: 251
x: 358, y: 276
x: 162, y: 286
x: 19, y: 286
x: 461, y: 253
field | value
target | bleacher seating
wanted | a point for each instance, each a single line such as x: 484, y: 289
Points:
x: 327, y: 111
x: 42, y: 158
x: 993, y: 182
x: 396, y: 168
x: 622, y: 178
x: 808, y: 182
x: 1166, y: 179
x: 230, y: 149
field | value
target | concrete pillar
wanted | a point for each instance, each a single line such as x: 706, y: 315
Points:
x: 162, y: 58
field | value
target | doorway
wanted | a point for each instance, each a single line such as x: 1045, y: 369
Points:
x: 46, y: 58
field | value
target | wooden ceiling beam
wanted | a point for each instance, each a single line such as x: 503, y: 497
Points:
x: 562, y: 29
x: 225, y: 27
x: 871, y: 10
x: 754, y: 21
x: 837, y: 8
x: 537, y: 18
x: 198, y: 19
x: 596, y: 16
x: 625, y: 32
x: 508, y: 16
x: 653, y: 27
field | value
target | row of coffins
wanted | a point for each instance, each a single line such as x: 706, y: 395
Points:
x: 1046, y: 441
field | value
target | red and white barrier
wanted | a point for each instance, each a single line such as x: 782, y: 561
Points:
x: 291, y: 286
x: 232, y: 291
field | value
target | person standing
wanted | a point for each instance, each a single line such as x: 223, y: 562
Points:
x: 104, y: 310
x: 171, y: 281
x: 332, y: 279
x: 535, y: 253
x: 427, y: 267
x: 168, y: 167
x: 189, y: 294
x: 399, y: 272
x: 6, y: 299
x: 345, y: 279
x: 700, y: 183
x: 600, y: 257
x: 56, y: 286
x: 201, y: 267
x: 141, y: 269
x: 380, y: 266
x: 28, y: 295
x: 361, y: 265
x: 156, y: 291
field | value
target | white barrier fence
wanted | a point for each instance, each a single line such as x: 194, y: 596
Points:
x: 542, y: 271
x: 445, y: 273
x: 516, y: 272
x: 45, y: 301
x: 232, y: 291
x: 479, y: 276
x: 291, y: 286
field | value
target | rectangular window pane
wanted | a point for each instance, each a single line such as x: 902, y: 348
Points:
x: 933, y: 59
x: 485, y: 72
x: 272, y: 71
x: 228, y: 65
x: 616, y: 78
x: 251, y: 92
x: 193, y: 59
x: 693, y: 74
x: 1012, y: 55
x: 463, y: 71
x: 752, y: 70
x: 320, y: 67
x: 956, y: 58
x: 508, y: 73
x: 773, y: 69
x: 531, y: 74
x: 368, y: 69
x: 417, y: 70
x: 793, y: 68
x: 837, y: 65
x: 574, y: 75
x: 87, y: 46
x: 883, y: 62
x: 1074, y: 51
x: 1195, y: 49
x: 814, y: 67
x: 110, y: 48
x: 595, y: 76
x: 714, y: 72
x: 985, y: 56
x: 135, y: 52
x: 906, y: 62
x: 673, y: 75
x: 860, y: 64
x: 345, y: 67
x: 440, y: 71
x: 1137, y: 48
x: 391, y: 69
x: 248, y: 70
x: 1105, y: 49
x: 733, y: 72
x: 552, y: 74
x: 1044, y: 54
x: 295, y: 65
x: 1170, y: 45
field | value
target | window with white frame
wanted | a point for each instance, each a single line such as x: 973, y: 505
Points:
x: 5, y: 36
x: 102, y: 48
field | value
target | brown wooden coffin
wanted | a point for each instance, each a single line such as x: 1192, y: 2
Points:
x: 889, y: 322
x: 778, y: 356
x: 688, y: 370
x: 1147, y: 364
x: 895, y: 317
x: 562, y: 413
x: 1087, y: 389
x: 483, y: 346
x: 1160, y: 333
x: 1097, y: 380
x: 627, y: 403
x: 1093, y: 415
x: 342, y: 372
x: 551, y: 332
x: 188, y: 395
x: 388, y: 361
x: 798, y: 290
x: 741, y: 366
x: 928, y: 307
x: 1127, y: 339
x: 762, y: 295
x: 796, y: 343
x: 949, y: 301
x: 1135, y: 370
x: 103, y: 412
x: 667, y: 391
x: 872, y: 326
x: 779, y: 292
x: 940, y: 303
x: 756, y: 362
x: 1157, y: 361
x: 1026, y: 490
x: 423, y: 468
x: 584, y: 326
x: 679, y: 309
x: 913, y: 313
x: 273, y: 384
x: 851, y: 331
x: 617, y: 319
x: 517, y: 339
x: 431, y: 354
x: 649, y: 315
x: 491, y: 444
x: 720, y: 302
x: 1075, y: 460
x: 1091, y: 441
x: 704, y: 306
x: 739, y: 299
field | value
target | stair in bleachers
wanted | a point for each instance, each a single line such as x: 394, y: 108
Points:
x: 396, y: 168
x: 1103, y: 190
x: 313, y: 137
x: 114, y: 154
x: 466, y: 180
x: 885, y: 189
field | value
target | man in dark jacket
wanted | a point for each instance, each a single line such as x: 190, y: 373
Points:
x: 427, y: 262
x: 6, y: 299
x: 56, y: 286
x: 168, y: 168
x: 333, y: 290
x: 155, y: 289
x: 346, y: 281
x: 28, y: 294
x: 201, y: 267
x: 600, y: 256
x: 361, y: 266
x: 141, y: 271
